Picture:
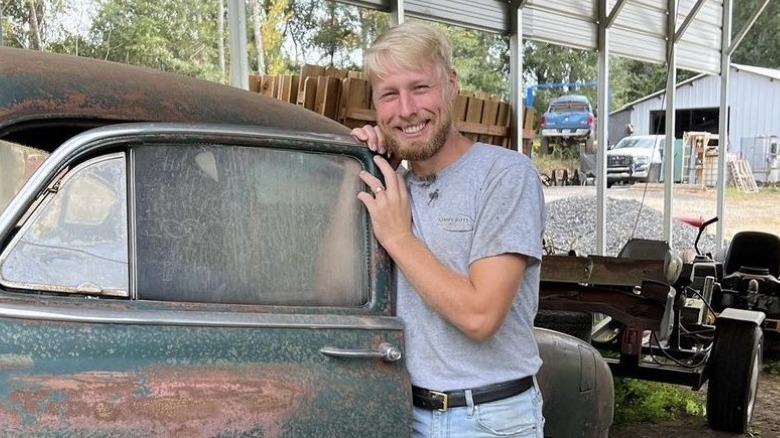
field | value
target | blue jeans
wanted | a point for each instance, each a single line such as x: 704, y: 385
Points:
x: 519, y: 416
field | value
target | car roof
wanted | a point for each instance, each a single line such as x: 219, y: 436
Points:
x: 40, y: 86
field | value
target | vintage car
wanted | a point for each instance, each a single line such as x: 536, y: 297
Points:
x: 182, y: 258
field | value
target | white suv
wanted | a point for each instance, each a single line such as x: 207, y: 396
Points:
x: 635, y: 158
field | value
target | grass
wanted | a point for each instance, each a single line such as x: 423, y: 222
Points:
x: 772, y: 367
x: 640, y: 401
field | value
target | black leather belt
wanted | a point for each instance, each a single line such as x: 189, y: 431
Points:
x: 443, y: 400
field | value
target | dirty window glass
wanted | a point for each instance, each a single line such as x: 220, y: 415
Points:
x: 17, y: 164
x: 229, y: 224
x: 76, y: 240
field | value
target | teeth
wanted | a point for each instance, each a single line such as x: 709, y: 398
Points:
x: 414, y: 128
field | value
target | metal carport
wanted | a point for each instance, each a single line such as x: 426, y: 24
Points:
x: 687, y: 34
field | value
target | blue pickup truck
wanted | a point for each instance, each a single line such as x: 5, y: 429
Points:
x: 568, y: 122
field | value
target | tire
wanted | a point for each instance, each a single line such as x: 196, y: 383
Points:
x: 577, y: 324
x: 734, y: 368
x: 544, y: 146
x: 610, y: 184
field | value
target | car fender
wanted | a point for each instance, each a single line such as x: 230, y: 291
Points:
x: 577, y: 387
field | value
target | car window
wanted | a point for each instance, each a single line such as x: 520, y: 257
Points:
x: 76, y: 240
x: 635, y: 142
x: 17, y: 164
x: 229, y: 224
x: 569, y: 107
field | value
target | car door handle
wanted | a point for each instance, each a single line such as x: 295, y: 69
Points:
x: 385, y: 351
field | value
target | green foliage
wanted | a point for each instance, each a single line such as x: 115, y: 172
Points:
x: 329, y: 33
x: 481, y: 60
x: 639, y: 401
x: 772, y: 366
x: 761, y: 46
x: 28, y: 23
x: 277, y: 14
x: 168, y: 35
x: 550, y: 64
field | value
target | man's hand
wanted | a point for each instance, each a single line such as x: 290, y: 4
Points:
x: 373, y: 138
x: 388, y: 206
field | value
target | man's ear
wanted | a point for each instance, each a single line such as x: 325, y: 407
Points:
x: 453, y: 82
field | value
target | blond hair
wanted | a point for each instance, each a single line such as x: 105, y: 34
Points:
x: 408, y: 46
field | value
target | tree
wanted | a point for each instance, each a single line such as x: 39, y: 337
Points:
x: 26, y: 23
x: 547, y: 63
x: 169, y: 35
x: 761, y: 46
x: 257, y: 21
x: 272, y: 30
x: 221, y: 39
x: 481, y: 60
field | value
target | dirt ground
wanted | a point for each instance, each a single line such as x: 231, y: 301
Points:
x: 743, y: 211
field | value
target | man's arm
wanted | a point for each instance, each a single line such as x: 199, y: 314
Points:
x: 476, y: 303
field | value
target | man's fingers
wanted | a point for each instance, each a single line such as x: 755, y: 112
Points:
x: 372, y: 182
x: 388, y: 171
x: 371, y: 136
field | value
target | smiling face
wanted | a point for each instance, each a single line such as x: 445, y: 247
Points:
x: 414, y: 110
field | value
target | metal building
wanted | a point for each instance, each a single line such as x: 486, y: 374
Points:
x: 754, y: 115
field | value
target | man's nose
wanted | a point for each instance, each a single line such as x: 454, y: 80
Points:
x: 408, y: 104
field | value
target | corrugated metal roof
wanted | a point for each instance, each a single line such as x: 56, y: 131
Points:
x: 485, y: 15
x: 638, y: 32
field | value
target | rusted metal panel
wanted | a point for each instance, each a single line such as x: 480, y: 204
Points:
x: 155, y: 379
x: 633, y: 310
x: 601, y: 270
x: 40, y: 86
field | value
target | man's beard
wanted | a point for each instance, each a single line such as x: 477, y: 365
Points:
x: 417, y: 150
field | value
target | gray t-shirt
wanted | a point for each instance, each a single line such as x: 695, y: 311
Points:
x: 489, y: 202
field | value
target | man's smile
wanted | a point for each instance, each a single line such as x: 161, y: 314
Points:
x: 413, y: 129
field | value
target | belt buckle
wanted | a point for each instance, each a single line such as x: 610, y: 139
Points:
x: 444, y: 398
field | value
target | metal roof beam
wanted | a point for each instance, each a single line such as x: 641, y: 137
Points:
x: 614, y: 13
x: 688, y: 20
x: 741, y: 35
x: 397, y: 13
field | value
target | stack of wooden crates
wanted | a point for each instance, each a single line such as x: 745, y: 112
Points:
x: 345, y: 96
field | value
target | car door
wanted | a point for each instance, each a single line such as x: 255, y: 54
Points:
x: 171, y: 280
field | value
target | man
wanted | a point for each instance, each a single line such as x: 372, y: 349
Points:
x: 464, y: 227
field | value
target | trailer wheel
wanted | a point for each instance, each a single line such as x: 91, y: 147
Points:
x: 577, y: 324
x: 734, y: 370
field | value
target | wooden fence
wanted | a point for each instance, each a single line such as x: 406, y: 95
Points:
x: 345, y: 96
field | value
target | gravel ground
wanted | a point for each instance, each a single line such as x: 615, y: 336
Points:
x: 571, y: 225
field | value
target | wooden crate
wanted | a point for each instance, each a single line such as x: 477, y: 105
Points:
x: 345, y: 96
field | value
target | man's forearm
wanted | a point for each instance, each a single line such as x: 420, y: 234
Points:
x: 478, y: 313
